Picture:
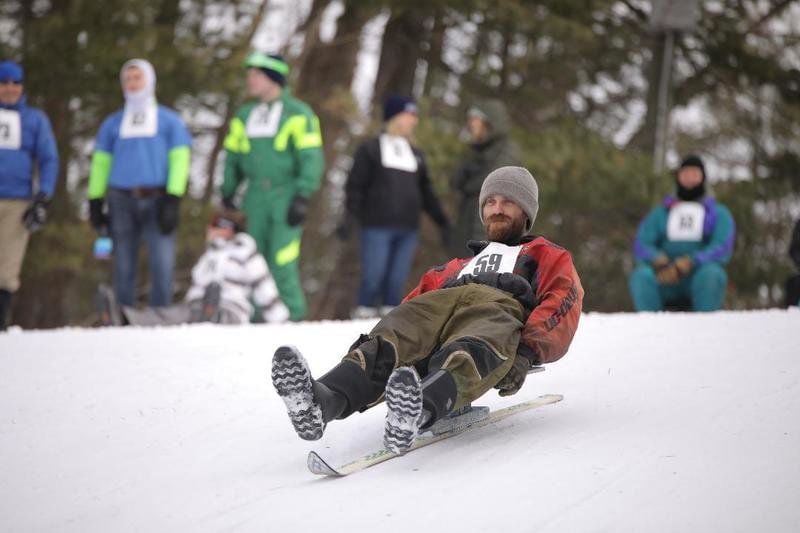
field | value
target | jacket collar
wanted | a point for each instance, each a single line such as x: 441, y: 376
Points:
x: 477, y: 246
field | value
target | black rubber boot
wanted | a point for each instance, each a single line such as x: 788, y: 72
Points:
x: 347, y: 380
x: 439, y: 393
x: 309, y: 403
x: 332, y: 403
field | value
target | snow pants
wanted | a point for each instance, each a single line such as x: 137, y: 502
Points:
x: 472, y: 331
x: 279, y: 243
x: 704, y: 288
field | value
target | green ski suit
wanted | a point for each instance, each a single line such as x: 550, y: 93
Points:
x: 277, y: 149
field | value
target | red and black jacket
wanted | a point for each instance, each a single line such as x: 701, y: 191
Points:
x: 544, y: 280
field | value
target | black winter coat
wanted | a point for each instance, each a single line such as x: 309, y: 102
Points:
x: 389, y: 197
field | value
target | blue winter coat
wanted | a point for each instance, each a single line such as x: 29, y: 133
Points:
x: 25, y: 136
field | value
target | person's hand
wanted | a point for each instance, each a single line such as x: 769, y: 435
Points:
x: 297, y: 210
x: 97, y: 218
x: 668, y: 275
x: 515, y: 378
x: 36, y: 214
x: 684, y: 264
x: 169, y: 207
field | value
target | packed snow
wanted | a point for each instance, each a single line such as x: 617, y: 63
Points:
x: 670, y: 422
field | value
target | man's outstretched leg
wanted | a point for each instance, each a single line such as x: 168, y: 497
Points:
x: 310, y: 404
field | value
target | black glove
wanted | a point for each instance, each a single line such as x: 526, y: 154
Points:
x: 169, y: 208
x: 36, y: 214
x: 297, y: 210
x: 227, y: 203
x: 97, y: 218
x: 513, y: 380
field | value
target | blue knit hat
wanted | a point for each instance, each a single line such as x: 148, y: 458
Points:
x: 395, y: 105
x: 10, y: 71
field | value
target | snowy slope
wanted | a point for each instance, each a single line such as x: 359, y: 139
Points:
x: 674, y: 422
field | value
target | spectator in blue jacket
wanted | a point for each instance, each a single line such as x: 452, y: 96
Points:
x: 682, y: 247
x: 25, y: 137
x: 140, y: 168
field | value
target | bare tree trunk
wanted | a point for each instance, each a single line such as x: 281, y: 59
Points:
x: 400, y: 53
x: 241, y: 49
x: 324, y: 82
x: 433, y: 55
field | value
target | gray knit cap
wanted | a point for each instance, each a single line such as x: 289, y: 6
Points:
x: 516, y: 184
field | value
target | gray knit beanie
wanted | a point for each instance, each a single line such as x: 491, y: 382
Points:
x: 516, y: 184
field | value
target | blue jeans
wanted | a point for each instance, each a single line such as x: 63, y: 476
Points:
x: 386, y: 258
x: 134, y: 220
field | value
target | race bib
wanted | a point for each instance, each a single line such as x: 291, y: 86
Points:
x: 685, y: 222
x: 396, y: 153
x: 264, y: 119
x: 139, y: 123
x: 496, y: 257
x: 10, y: 129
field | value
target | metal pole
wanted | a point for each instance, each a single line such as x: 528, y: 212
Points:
x: 662, y: 111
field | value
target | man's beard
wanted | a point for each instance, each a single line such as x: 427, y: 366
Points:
x: 500, y: 228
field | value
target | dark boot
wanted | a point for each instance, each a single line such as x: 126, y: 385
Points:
x: 403, y: 410
x: 211, y: 300
x: 5, y: 307
x: 107, y: 308
x: 439, y: 393
x: 309, y: 403
x: 413, y: 405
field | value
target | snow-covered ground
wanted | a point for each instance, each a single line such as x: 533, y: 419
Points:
x: 680, y: 422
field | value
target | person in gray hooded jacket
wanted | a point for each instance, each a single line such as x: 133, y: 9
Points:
x: 490, y: 147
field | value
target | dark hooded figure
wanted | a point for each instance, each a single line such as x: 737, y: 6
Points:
x: 490, y: 147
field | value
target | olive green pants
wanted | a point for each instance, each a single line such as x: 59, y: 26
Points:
x: 441, y: 326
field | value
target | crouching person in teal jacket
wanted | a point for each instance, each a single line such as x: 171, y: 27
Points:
x: 682, y: 246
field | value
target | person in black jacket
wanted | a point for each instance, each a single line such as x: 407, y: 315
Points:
x: 490, y: 147
x: 386, y: 190
x: 793, y: 283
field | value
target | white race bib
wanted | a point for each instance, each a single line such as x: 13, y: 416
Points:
x: 396, y: 153
x: 264, y: 119
x: 140, y: 122
x: 10, y: 129
x: 685, y: 222
x: 496, y: 257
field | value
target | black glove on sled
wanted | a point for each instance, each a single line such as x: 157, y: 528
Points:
x: 97, y: 218
x: 514, y: 379
x: 36, y: 214
x: 297, y: 211
x: 168, y: 213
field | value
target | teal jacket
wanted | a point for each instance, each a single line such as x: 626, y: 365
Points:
x: 714, y: 245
